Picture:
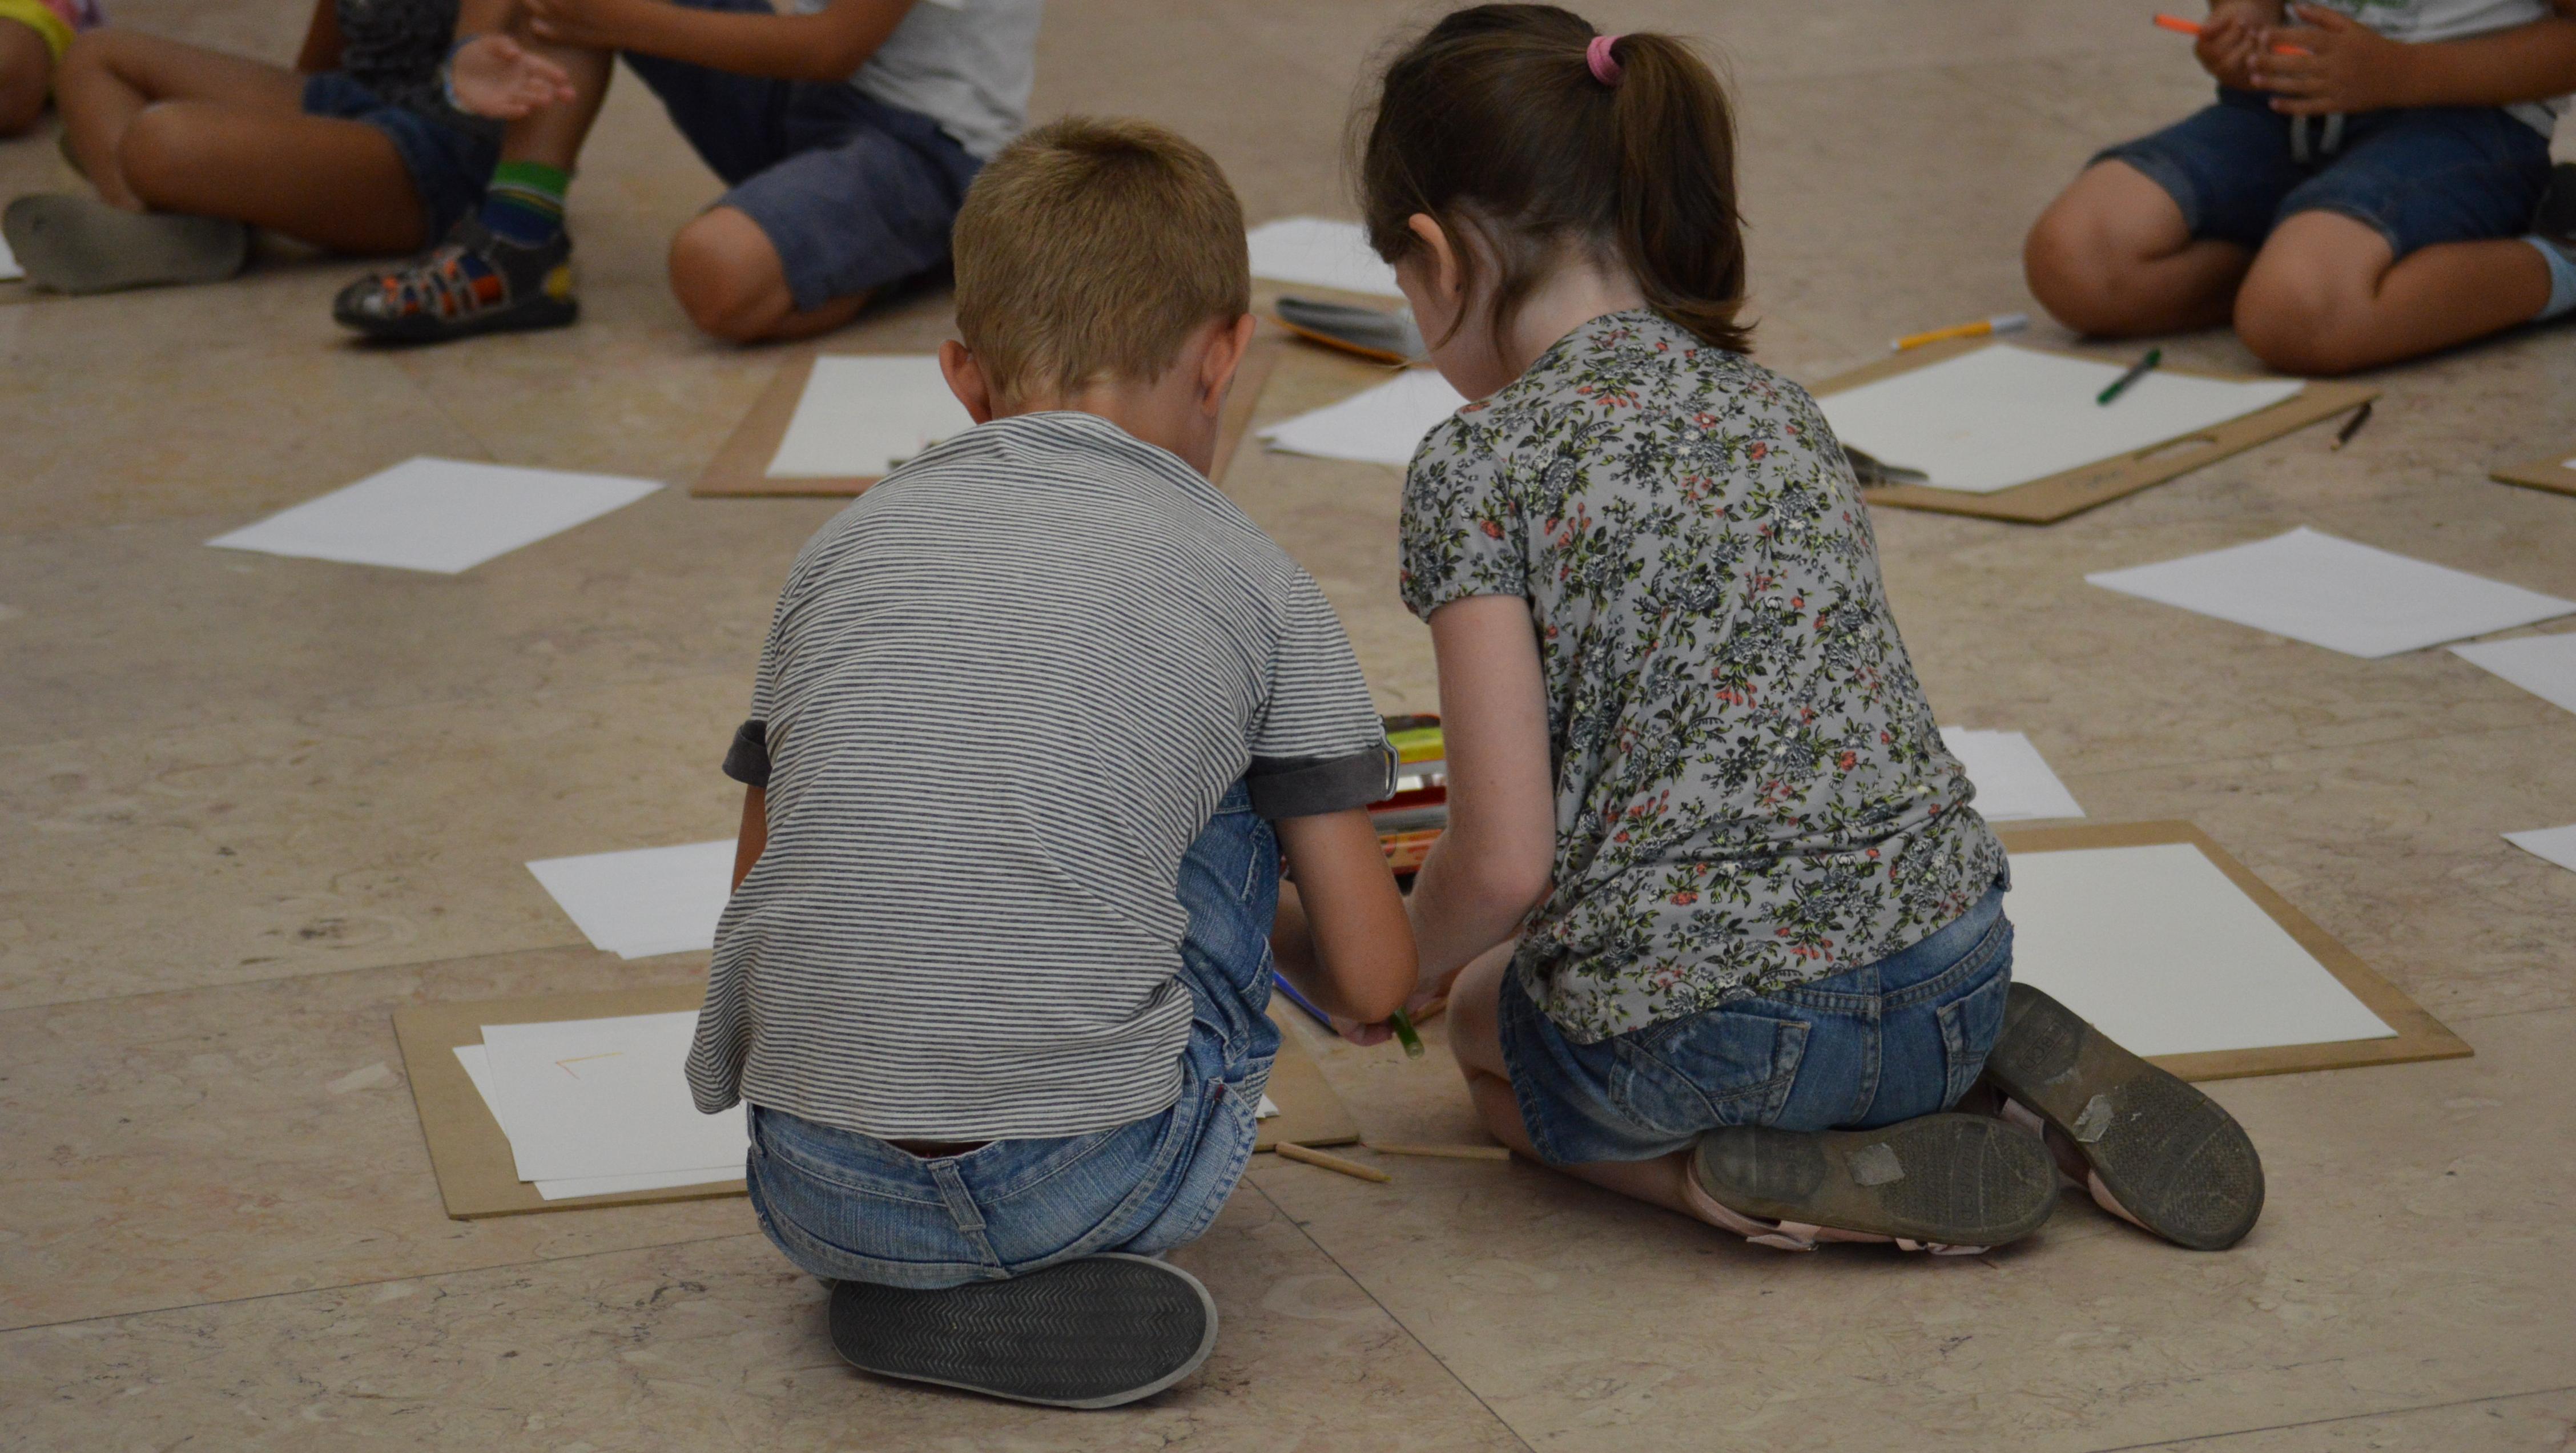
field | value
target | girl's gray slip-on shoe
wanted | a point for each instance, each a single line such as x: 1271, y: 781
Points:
x: 1943, y: 1183
x: 2161, y: 1153
x: 75, y: 244
x: 1090, y: 1333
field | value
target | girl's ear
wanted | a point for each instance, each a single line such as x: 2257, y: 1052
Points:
x: 966, y: 380
x: 1440, y: 258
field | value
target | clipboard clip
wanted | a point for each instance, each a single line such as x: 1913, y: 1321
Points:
x: 1873, y: 472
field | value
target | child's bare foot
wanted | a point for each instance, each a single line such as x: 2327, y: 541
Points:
x: 1948, y: 1184
x: 2152, y: 1149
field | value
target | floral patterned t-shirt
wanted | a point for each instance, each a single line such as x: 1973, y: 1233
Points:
x: 1750, y: 789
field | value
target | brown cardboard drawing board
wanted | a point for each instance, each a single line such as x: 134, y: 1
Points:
x: 741, y: 467
x: 2419, y: 1035
x: 2557, y: 472
x: 2045, y: 501
x: 471, y: 1156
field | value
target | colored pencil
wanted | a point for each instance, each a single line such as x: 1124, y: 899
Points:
x: 2180, y: 26
x: 2352, y: 426
x: 1293, y: 1151
x: 1999, y: 323
x: 1445, y: 1152
x: 2137, y: 370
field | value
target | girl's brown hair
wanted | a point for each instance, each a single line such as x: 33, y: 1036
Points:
x: 1496, y: 122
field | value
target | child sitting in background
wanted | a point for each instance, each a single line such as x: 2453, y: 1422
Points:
x: 1726, y: 934
x: 2366, y: 199
x: 354, y: 150
x: 1029, y: 716
x: 33, y: 36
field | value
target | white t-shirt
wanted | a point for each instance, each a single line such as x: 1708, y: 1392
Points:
x: 966, y: 64
x: 2417, y: 21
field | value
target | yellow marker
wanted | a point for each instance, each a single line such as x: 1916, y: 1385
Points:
x: 1999, y: 323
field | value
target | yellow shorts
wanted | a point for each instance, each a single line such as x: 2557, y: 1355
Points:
x: 39, y: 17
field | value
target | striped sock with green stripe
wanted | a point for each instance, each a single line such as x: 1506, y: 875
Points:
x: 525, y: 202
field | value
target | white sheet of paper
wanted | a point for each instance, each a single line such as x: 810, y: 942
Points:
x: 2012, y: 779
x: 605, y: 1097
x: 645, y: 901
x: 10, y: 271
x: 2557, y: 844
x: 1269, y: 1107
x: 478, y: 1068
x: 2336, y: 594
x: 1381, y: 425
x: 2545, y: 666
x: 439, y: 515
x: 2166, y: 955
x: 861, y: 416
x: 2002, y: 415
x: 1320, y: 253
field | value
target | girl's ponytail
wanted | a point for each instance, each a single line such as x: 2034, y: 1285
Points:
x: 1521, y: 125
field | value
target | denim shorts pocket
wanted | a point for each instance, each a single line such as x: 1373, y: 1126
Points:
x: 1721, y: 1067
x: 1211, y: 1169
x: 1969, y: 1025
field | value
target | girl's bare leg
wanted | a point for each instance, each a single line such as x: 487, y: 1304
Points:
x: 110, y: 77
x: 26, y: 73
x: 2324, y: 296
x: 336, y: 184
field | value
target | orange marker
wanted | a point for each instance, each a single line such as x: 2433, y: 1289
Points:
x: 2180, y: 26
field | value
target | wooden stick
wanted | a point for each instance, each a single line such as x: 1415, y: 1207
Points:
x: 1294, y: 1151
x: 1444, y: 1152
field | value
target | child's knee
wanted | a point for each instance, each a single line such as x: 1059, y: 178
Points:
x: 163, y: 154
x: 2075, y: 266
x: 2297, y: 323
x: 26, y: 74
x: 725, y: 273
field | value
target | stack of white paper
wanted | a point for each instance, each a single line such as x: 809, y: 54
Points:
x: 2012, y: 780
x: 2002, y: 416
x: 2557, y: 844
x: 596, y: 1106
x: 1382, y: 425
x: 1320, y: 253
x: 2166, y: 955
x: 10, y: 271
x: 2545, y: 666
x: 440, y: 515
x: 645, y: 902
x: 860, y: 417
x: 2336, y: 594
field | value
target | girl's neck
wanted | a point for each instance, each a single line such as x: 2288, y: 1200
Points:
x: 1572, y: 296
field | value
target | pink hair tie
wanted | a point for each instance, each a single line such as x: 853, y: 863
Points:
x: 1605, y: 66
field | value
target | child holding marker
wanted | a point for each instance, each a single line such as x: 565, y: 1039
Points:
x: 1725, y: 933
x: 2373, y: 184
x: 1038, y: 718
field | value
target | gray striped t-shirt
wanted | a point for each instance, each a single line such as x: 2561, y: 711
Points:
x: 1002, y: 693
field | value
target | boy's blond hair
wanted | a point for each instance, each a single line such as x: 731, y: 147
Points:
x: 1089, y: 250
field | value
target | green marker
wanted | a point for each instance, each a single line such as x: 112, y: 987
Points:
x: 1402, y: 1024
x: 2137, y: 370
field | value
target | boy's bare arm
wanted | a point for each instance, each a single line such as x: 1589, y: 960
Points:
x: 1341, y: 937
x: 828, y: 46
x: 755, y: 833
x: 2350, y: 67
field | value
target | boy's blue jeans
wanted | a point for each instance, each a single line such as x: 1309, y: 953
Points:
x: 850, y: 1207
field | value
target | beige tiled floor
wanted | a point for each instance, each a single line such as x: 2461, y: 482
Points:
x: 253, y: 804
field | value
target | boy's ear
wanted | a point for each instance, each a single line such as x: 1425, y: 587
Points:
x: 966, y: 380
x: 1224, y: 355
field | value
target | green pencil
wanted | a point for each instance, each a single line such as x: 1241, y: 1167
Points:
x: 1402, y: 1024
x: 2137, y: 370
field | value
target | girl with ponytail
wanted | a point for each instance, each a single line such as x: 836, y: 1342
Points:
x: 1719, y: 926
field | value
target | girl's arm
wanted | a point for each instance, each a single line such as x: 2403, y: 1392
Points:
x: 829, y: 46
x: 1494, y: 863
x: 2350, y: 67
x: 1340, y: 936
x: 321, y: 50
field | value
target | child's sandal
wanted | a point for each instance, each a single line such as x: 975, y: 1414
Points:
x: 1947, y: 1184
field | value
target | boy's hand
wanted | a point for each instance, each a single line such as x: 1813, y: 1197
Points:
x: 594, y: 24
x: 2348, y: 66
x: 495, y: 76
x: 2227, y: 46
x: 1380, y: 1032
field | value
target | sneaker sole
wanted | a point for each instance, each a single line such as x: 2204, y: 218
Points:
x: 1962, y: 1180
x: 77, y: 245
x: 1092, y: 1333
x: 524, y: 317
x: 2170, y: 1154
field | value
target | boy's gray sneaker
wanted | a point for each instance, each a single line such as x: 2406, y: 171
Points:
x: 75, y: 244
x: 474, y: 282
x: 1090, y: 1333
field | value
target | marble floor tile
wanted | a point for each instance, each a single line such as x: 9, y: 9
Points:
x: 712, y: 1345
x: 2540, y: 1422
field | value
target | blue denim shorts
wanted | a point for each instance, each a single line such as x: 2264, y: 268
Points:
x: 850, y: 1207
x: 853, y: 193
x: 450, y: 165
x: 1902, y: 1037
x: 2417, y: 177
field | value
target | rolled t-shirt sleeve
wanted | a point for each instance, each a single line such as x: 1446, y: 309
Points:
x: 1318, y: 746
x: 1464, y: 530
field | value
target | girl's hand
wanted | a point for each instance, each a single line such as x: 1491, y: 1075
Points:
x: 593, y: 24
x: 2226, y: 48
x: 1424, y: 1002
x: 494, y: 76
x: 2348, y: 66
